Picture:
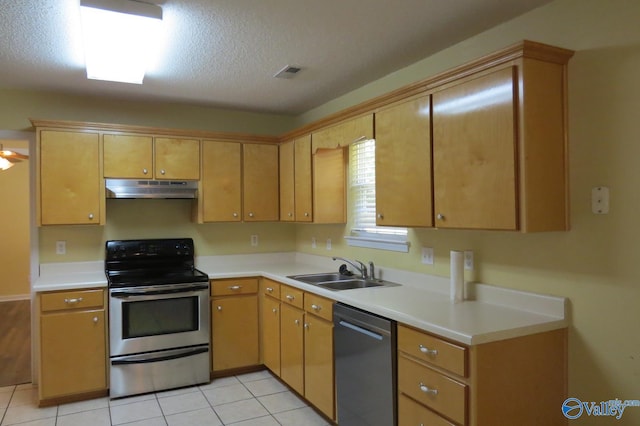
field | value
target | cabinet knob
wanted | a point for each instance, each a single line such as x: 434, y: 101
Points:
x: 162, y: 172
x: 95, y: 320
x: 424, y: 388
x: 440, y: 216
x: 290, y: 214
x: 91, y: 216
x: 219, y: 307
x: 235, y: 214
x: 297, y: 322
x: 427, y: 351
x: 274, y: 310
x: 306, y: 325
x: 316, y: 307
x: 145, y: 171
x: 306, y: 214
x: 380, y: 216
x: 250, y: 214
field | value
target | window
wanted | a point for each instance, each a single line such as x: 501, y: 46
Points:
x: 362, y: 190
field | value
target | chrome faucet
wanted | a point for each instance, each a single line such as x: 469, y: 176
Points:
x: 360, y: 267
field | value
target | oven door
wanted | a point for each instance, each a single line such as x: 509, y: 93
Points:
x: 151, y: 318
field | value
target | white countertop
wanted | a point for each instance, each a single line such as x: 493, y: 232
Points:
x: 421, y: 301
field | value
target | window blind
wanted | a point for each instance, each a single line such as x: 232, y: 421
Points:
x: 362, y: 172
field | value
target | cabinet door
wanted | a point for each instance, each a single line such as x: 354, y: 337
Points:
x: 128, y: 156
x: 71, y: 184
x: 403, y: 164
x: 260, y: 182
x: 72, y: 353
x: 177, y: 158
x: 474, y: 153
x: 287, y: 193
x: 234, y: 327
x: 221, y: 183
x: 292, y: 347
x: 329, y: 186
x: 302, y: 180
x: 319, y: 386
x: 271, y: 334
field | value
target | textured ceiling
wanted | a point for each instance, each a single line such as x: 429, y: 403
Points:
x: 224, y: 53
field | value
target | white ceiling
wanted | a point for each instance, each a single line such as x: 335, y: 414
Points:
x: 224, y: 53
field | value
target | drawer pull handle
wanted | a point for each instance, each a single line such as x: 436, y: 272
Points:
x: 73, y: 301
x: 424, y: 388
x: 316, y: 307
x: 270, y: 289
x: 235, y: 287
x: 290, y: 297
x: 427, y: 351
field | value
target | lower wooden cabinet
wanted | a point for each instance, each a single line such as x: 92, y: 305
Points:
x: 73, y: 355
x: 297, y: 342
x: 518, y: 381
x: 234, y: 323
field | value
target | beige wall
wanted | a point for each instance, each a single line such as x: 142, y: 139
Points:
x: 18, y: 106
x: 14, y: 226
x: 595, y: 265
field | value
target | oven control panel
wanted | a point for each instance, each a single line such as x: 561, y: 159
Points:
x: 132, y: 250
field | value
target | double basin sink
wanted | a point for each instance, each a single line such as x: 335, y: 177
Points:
x: 336, y: 281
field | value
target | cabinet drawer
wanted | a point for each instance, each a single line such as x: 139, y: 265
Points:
x: 234, y: 286
x: 270, y: 288
x: 291, y: 296
x: 433, y: 350
x: 79, y: 299
x: 318, y: 305
x: 437, y: 391
x: 410, y: 413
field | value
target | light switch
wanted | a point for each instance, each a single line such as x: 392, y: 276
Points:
x: 427, y: 255
x: 61, y: 247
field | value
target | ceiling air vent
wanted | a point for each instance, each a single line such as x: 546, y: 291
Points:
x: 288, y: 72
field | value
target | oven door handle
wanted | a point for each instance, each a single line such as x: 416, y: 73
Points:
x: 127, y: 293
x: 143, y: 359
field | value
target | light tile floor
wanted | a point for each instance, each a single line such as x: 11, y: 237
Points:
x: 256, y: 399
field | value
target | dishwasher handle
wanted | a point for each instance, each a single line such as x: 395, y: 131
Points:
x: 360, y: 330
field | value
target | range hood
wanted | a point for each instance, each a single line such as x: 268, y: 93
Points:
x: 133, y: 188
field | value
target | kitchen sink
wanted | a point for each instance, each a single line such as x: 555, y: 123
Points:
x: 336, y: 281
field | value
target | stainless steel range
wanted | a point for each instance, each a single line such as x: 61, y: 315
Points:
x: 158, y: 316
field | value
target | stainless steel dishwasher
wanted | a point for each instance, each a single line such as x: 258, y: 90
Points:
x: 365, y: 365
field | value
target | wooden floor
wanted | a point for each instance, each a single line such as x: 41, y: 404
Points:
x: 15, y: 342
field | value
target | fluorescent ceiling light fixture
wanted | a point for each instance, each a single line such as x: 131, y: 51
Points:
x: 121, y: 38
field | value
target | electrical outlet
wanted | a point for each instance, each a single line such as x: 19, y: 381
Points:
x: 468, y: 260
x: 427, y: 255
x: 314, y: 243
x: 254, y: 240
x: 328, y: 243
x: 61, y: 247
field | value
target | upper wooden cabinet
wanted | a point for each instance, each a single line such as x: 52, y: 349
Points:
x: 260, y: 182
x: 71, y: 189
x: 328, y: 149
x: 220, y: 198
x: 403, y: 164
x: 296, y: 201
x: 146, y: 157
x: 474, y: 146
x: 500, y: 148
